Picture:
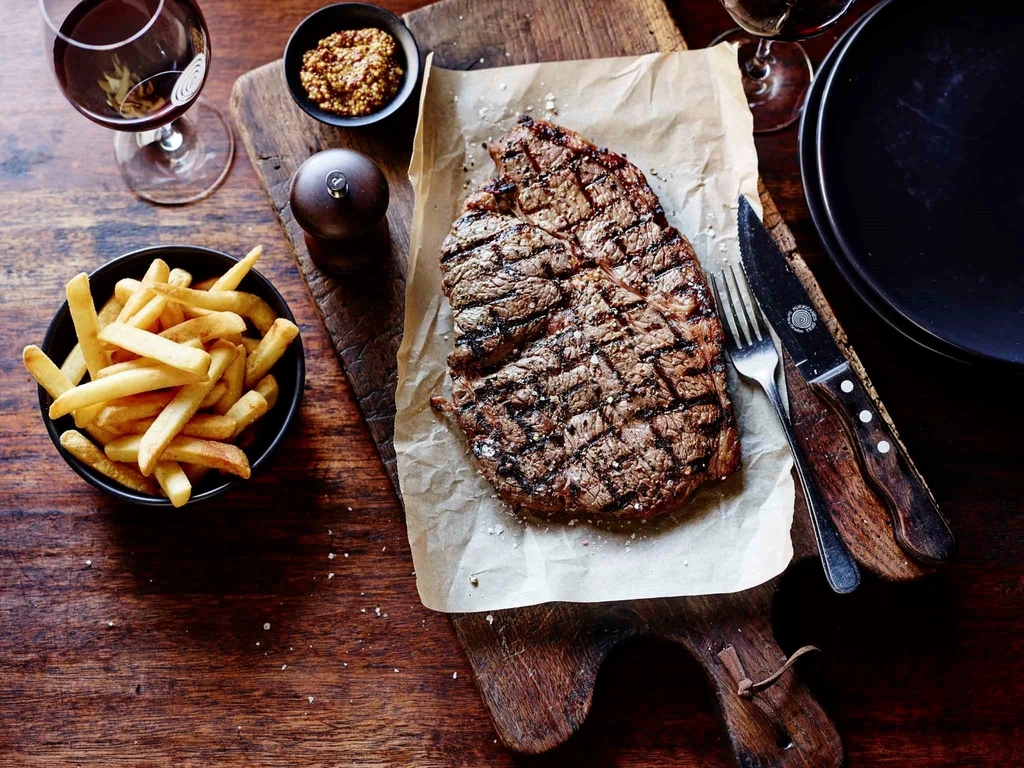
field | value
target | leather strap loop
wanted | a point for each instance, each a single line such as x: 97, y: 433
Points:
x: 745, y: 687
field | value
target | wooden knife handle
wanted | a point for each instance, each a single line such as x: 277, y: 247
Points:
x: 918, y: 526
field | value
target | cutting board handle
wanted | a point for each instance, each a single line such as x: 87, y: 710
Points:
x: 778, y: 727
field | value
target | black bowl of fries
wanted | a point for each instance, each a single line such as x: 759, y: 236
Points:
x: 181, y: 369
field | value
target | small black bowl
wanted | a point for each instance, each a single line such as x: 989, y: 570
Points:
x: 202, y: 263
x: 335, y: 18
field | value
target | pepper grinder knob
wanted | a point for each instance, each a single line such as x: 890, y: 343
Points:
x: 340, y: 197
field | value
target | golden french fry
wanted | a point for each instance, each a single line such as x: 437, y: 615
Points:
x: 229, y: 280
x: 206, y: 426
x: 87, y: 324
x: 194, y: 473
x: 212, y: 326
x: 182, y: 408
x: 120, y: 385
x: 244, y: 304
x: 46, y: 372
x: 142, y: 362
x: 156, y: 347
x: 250, y: 344
x: 215, y: 395
x: 233, y: 379
x: 274, y: 344
x: 205, y: 285
x: 79, y: 446
x: 188, y: 450
x: 99, y: 435
x: 125, y: 287
x: 171, y: 316
x: 269, y: 389
x: 173, y: 482
x: 251, y: 406
x: 74, y: 364
x: 132, y: 408
x: 151, y: 311
x: 158, y: 272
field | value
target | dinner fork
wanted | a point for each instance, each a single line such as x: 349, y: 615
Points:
x: 753, y: 354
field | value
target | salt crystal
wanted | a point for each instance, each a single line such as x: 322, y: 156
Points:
x: 267, y: 625
x: 383, y: 548
x: 348, y: 509
x: 284, y: 667
x: 110, y: 623
x: 362, y: 610
x: 501, y: 86
x: 330, y: 575
x: 550, y: 96
x: 490, y: 618
x: 88, y: 563
x: 330, y: 555
x: 377, y: 610
x: 455, y: 675
x: 549, y: 105
x: 595, y: 359
x: 474, y: 580
x: 310, y: 699
x: 396, y: 669
x: 346, y: 554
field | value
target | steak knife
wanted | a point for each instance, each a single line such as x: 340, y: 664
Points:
x: 918, y: 526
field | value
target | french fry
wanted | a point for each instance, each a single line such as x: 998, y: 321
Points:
x: 182, y: 408
x: 250, y: 344
x: 99, y: 435
x: 233, y: 378
x: 229, y: 280
x: 215, y: 394
x: 173, y: 482
x: 188, y: 450
x: 120, y: 385
x: 171, y: 316
x: 251, y: 406
x: 125, y: 287
x: 150, y: 313
x: 269, y: 389
x: 194, y: 473
x: 274, y: 344
x: 205, y: 285
x: 74, y: 364
x: 212, y: 326
x: 156, y: 347
x: 79, y: 446
x: 142, y: 362
x: 132, y: 408
x: 87, y: 324
x: 233, y: 338
x: 46, y: 372
x: 244, y: 304
x: 158, y: 272
x: 206, y: 426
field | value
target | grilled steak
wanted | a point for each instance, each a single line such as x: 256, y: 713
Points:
x: 587, y: 372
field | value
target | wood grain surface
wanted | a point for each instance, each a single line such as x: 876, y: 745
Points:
x: 916, y: 675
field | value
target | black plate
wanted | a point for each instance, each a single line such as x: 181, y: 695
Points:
x: 290, y: 370
x: 812, y: 194
x: 920, y: 176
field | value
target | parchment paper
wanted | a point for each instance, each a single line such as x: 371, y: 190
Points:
x: 682, y: 118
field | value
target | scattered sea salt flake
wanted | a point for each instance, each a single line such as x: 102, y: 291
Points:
x: 284, y: 667
x: 501, y: 86
x: 474, y: 580
x: 330, y: 575
x: 455, y: 675
x: 490, y: 618
x: 310, y: 699
x: 346, y: 554
x: 88, y: 563
x: 266, y: 625
x: 330, y: 555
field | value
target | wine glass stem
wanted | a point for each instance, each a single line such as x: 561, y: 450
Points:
x: 170, y: 137
x: 757, y: 65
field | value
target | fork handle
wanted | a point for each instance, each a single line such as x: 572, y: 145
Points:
x: 841, y: 569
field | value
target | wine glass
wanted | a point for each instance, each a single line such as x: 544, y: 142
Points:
x: 777, y: 75
x: 137, y: 66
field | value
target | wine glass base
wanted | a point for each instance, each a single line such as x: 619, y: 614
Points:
x: 179, y: 163
x: 777, y: 99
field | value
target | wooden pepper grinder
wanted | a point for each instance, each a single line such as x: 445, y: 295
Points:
x: 339, y: 197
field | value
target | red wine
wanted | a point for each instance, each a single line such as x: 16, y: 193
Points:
x: 786, y: 19
x: 153, y: 63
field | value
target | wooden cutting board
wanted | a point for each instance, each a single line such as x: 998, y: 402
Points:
x: 536, y: 667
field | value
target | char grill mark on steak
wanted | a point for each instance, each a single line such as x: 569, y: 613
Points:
x: 587, y: 371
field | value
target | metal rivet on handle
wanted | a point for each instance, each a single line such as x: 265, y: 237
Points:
x: 865, y: 416
x: 883, y: 446
x: 846, y: 386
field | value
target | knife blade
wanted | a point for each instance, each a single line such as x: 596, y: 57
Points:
x: 918, y: 525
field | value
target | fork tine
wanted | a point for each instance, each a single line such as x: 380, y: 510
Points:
x: 759, y: 320
x: 746, y: 301
x: 724, y: 312
x: 738, y: 311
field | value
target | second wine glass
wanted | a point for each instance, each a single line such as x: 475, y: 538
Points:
x: 777, y: 75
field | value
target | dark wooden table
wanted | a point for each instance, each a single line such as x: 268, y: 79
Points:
x: 132, y: 637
